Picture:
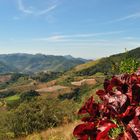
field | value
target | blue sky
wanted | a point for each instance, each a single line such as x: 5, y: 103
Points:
x: 82, y: 28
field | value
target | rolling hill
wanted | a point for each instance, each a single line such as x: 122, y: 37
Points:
x: 28, y: 63
x: 97, y: 67
x: 104, y: 65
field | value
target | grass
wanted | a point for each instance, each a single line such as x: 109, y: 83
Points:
x: 60, y: 133
x: 86, y: 65
x: 12, y: 98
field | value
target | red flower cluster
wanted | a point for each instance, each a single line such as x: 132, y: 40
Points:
x: 120, y: 107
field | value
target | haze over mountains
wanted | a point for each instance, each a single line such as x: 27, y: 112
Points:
x: 29, y: 63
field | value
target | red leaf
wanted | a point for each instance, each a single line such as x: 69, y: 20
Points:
x: 101, y: 94
x: 88, y: 119
x: 85, y: 131
x: 104, y: 127
x: 135, y: 126
x: 116, y: 82
x: 87, y: 106
x: 120, y: 101
x: 126, y: 136
x: 90, y: 107
x: 128, y: 112
x: 136, y: 94
x: 137, y: 110
x: 107, y: 85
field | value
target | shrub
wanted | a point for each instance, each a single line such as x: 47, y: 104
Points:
x: 117, y: 116
x: 46, y: 76
x: 7, y: 93
x: 28, y: 95
x: 37, y: 115
x: 128, y: 65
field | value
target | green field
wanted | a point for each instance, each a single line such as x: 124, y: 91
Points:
x: 12, y: 98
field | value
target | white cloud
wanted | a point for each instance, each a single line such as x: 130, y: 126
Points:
x: 54, y: 38
x: 46, y: 10
x: 96, y: 34
x: 76, y: 37
x: 128, y: 17
x: 29, y: 10
x: 130, y: 38
x: 132, y: 16
x: 23, y: 9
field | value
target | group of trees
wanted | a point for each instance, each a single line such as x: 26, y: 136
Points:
x: 46, y: 76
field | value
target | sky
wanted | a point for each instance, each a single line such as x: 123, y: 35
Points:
x: 81, y: 28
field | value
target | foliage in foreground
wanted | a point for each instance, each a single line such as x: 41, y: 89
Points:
x: 129, y: 65
x: 35, y: 116
x: 117, y: 116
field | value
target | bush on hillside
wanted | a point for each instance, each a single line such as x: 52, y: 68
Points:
x: 37, y: 115
x: 129, y: 65
x: 46, y: 76
x: 28, y: 95
x: 7, y: 93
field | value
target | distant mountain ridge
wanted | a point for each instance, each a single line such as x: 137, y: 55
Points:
x: 29, y: 63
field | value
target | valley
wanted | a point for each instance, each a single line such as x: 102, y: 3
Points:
x: 43, y: 105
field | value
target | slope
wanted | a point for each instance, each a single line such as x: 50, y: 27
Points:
x: 28, y: 63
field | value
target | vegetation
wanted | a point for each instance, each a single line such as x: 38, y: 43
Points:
x: 12, y: 98
x: 6, y: 93
x: 16, y: 76
x: 79, y: 93
x: 37, y: 115
x: 105, y: 65
x: 117, y: 116
x: 24, y: 111
x: 27, y: 63
x: 46, y: 76
x: 129, y: 65
x: 28, y: 95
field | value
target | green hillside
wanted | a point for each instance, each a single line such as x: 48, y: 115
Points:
x: 6, y: 68
x: 104, y: 65
x: 28, y: 63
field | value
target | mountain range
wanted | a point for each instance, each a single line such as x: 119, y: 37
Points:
x: 29, y: 63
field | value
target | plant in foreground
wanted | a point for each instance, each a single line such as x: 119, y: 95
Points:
x: 117, y: 117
